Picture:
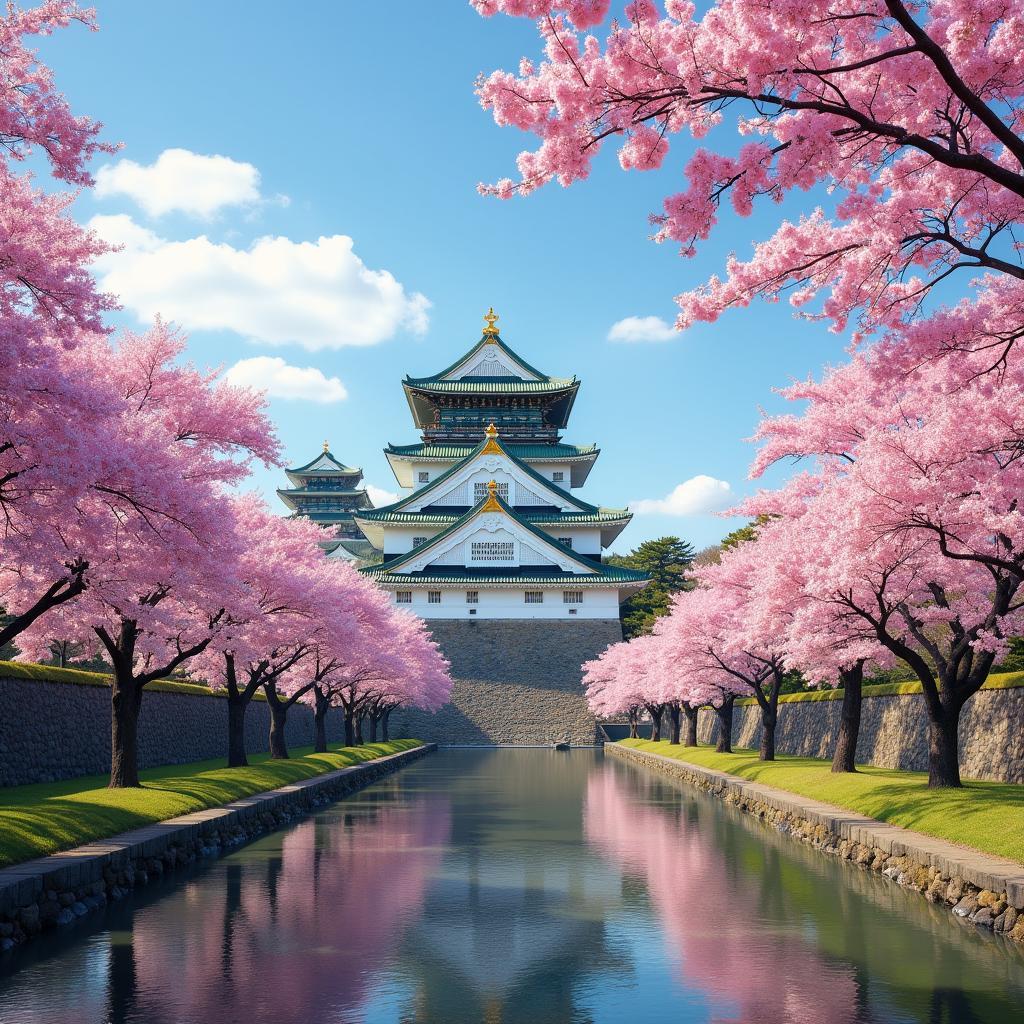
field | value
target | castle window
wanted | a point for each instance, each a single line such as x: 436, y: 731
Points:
x: 558, y: 476
x: 567, y: 541
x: 534, y: 596
x: 403, y: 597
x: 472, y: 597
x: 572, y: 596
x: 417, y: 541
x: 433, y: 597
x: 423, y: 476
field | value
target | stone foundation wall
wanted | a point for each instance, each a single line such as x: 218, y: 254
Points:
x: 893, y: 732
x: 51, y: 731
x: 516, y: 681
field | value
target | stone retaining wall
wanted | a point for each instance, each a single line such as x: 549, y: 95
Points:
x: 983, y: 889
x: 54, y: 891
x: 516, y: 682
x: 51, y: 731
x: 893, y: 732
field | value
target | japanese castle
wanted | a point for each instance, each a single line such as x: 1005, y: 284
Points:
x: 490, y: 527
x: 328, y: 492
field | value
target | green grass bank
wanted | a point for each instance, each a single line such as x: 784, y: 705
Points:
x: 43, y: 818
x: 987, y: 816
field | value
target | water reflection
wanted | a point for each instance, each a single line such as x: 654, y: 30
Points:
x: 518, y: 887
x: 772, y: 933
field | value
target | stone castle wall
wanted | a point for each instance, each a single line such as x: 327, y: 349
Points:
x: 516, y: 681
x: 894, y: 732
x: 51, y: 730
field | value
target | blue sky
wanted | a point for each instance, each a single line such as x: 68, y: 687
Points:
x: 360, y: 120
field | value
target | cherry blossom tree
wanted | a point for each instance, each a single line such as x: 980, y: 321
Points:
x: 905, y: 118
x: 154, y: 531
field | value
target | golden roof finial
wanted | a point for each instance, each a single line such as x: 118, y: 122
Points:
x: 327, y: 447
x: 491, y: 504
x: 491, y: 447
x: 490, y: 331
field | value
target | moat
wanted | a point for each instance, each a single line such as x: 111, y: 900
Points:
x: 519, y: 886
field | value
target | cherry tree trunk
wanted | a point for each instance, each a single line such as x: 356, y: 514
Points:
x: 634, y: 721
x: 350, y: 732
x: 691, y: 725
x: 374, y: 722
x: 724, y: 716
x: 944, y: 750
x: 769, y: 719
x: 320, y: 706
x: 359, y: 731
x: 237, y: 706
x: 844, y: 758
x: 385, y: 718
x: 278, y: 721
x: 656, y: 726
x: 125, y: 704
x: 673, y: 719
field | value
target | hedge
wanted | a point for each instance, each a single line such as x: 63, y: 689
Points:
x: 79, y: 677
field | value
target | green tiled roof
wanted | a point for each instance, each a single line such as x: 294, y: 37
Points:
x: 514, y: 576
x: 601, y: 573
x: 492, y: 385
x: 484, y: 340
x: 535, y: 452
x: 340, y: 467
x: 603, y: 515
x: 583, y: 506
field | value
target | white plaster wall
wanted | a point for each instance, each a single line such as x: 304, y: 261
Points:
x: 511, y: 604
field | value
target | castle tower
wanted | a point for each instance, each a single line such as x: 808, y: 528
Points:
x: 328, y: 492
x: 493, y: 548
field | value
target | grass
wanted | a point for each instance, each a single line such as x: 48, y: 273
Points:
x: 45, y: 817
x: 987, y: 816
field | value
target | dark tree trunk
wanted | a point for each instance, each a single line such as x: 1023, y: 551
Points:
x: 278, y: 721
x: 845, y: 757
x: 673, y: 721
x: 374, y: 723
x: 769, y: 719
x: 359, y: 731
x: 320, y: 706
x: 238, y: 704
x: 691, y: 712
x: 944, y: 750
x: 350, y: 731
x: 385, y: 719
x: 655, y: 713
x: 724, y: 715
x: 125, y: 704
x: 634, y: 721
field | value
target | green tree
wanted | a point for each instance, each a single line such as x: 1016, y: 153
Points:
x: 667, y: 561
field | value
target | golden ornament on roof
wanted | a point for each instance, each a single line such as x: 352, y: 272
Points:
x: 491, y: 319
x: 491, y: 504
x: 327, y: 447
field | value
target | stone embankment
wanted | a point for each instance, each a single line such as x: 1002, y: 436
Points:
x: 54, y: 891
x: 986, y: 890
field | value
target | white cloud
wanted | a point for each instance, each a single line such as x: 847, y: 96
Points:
x: 316, y: 294
x: 380, y: 497
x: 697, y: 496
x: 641, y: 328
x: 280, y: 380
x: 182, y: 180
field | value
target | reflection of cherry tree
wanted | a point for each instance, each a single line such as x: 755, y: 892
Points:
x: 747, y: 969
x: 303, y: 929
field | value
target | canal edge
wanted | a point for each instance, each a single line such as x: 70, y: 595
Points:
x: 58, y: 889
x: 976, y: 886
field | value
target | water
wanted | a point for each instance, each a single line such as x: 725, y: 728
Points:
x: 519, y: 886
